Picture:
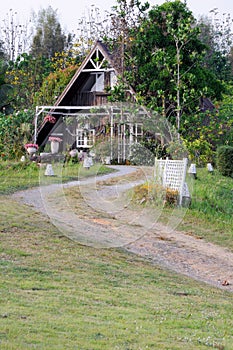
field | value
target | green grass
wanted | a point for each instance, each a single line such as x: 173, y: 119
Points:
x: 16, y: 176
x: 56, y: 294
x: 211, y: 213
x: 213, y: 196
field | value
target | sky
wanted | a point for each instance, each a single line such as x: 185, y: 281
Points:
x: 70, y: 11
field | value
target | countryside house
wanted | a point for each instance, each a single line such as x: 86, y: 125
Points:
x: 82, y: 116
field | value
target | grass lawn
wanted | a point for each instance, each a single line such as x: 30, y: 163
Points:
x: 57, y: 294
x: 16, y: 176
x: 210, y: 215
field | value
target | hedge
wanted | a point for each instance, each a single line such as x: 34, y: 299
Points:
x: 225, y: 160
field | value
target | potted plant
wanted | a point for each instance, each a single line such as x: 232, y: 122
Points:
x: 31, y: 148
x: 55, y: 143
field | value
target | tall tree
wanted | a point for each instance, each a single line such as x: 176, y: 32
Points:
x: 169, y: 71
x: 2, y: 52
x: 49, y: 37
x: 231, y: 60
x: 26, y: 75
x: 6, y: 89
x: 124, y: 20
x: 15, y: 35
x: 91, y: 27
x: 216, y: 34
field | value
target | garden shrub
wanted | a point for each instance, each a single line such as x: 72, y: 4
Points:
x: 200, y: 151
x: 225, y: 160
x: 144, y: 153
x: 171, y: 197
x: 16, y: 130
x: 139, y: 155
x: 155, y: 194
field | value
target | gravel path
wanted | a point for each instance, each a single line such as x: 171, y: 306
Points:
x: 36, y: 197
x: 106, y: 219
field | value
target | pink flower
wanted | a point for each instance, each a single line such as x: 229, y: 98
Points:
x: 49, y: 118
x: 33, y: 145
x: 54, y: 138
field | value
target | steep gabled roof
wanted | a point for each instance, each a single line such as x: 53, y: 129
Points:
x: 98, y: 47
x: 99, y: 60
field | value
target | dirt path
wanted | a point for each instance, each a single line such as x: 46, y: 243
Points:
x: 104, y: 218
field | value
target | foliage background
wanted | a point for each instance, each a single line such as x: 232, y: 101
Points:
x: 193, y: 59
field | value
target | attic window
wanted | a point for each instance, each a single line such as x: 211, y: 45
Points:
x: 99, y: 82
x: 97, y: 59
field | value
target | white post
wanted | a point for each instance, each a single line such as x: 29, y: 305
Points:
x: 35, y: 126
x: 124, y: 140
x: 185, y: 163
x: 111, y: 133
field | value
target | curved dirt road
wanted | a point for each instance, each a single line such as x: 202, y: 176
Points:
x: 104, y: 218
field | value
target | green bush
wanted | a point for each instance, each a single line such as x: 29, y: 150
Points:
x: 139, y: 155
x: 15, y: 131
x: 225, y: 160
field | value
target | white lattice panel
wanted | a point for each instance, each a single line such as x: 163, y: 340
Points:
x: 171, y: 174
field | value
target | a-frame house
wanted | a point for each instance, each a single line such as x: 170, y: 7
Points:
x: 87, y: 88
x: 72, y: 114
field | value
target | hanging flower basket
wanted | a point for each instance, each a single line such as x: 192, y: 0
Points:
x: 50, y: 119
x: 31, y: 148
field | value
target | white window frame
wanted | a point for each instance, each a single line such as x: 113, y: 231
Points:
x: 85, y: 138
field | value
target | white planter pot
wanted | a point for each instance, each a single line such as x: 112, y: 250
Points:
x: 31, y: 150
x: 107, y: 160
x: 54, y: 147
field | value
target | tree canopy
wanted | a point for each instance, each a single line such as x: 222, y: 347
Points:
x: 168, y: 61
x: 6, y: 89
x: 49, y: 37
x: 171, y: 60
